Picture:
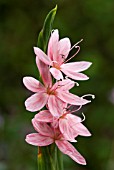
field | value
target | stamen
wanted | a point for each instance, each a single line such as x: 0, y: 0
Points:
x: 92, y: 95
x: 74, y: 54
x: 62, y: 85
x: 77, y: 84
x: 58, y: 86
x: 83, y: 117
x: 78, y: 122
x: 75, y: 46
x: 76, y: 109
x: 69, y: 106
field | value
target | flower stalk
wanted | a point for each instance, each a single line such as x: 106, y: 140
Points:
x: 49, y: 158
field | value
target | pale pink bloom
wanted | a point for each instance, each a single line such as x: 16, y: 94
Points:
x: 47, y: 135
x: 70, y: 125
x: 56, y: 57
x: 54, y: 96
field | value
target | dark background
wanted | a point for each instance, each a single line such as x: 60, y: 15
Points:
x: 20, y: 23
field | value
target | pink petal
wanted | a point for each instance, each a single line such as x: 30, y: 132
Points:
x: 42, y: 128
x: 37, y: 139
x: 72, y: 99
x: 75, y: 75
x: 36, y: 102
x: 81, y: 130
x: 42, y: 56
x: 65, y: 84
x: 55, y: 106
x: 44, y: 72
x: 70, y: 150
x: 77, y: 127
x: 66, y: 130
x: 64, y: 48
x: 44, y: 116
x: 56, y: 73
x: 76, y: 66
x: 55, y: 123
x: 32, y: 84
x: 73, y: 118
x: 53, y: 45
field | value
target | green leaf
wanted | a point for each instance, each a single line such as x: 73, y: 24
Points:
x: 40, y: 40
x: 44, y: 34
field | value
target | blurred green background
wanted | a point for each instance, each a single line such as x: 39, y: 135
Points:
x: 20, y: 23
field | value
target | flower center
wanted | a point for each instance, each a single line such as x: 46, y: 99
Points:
x: 56, y: 65
x: 63, y: 116
x: 51, y: 92
x: 57, y: 135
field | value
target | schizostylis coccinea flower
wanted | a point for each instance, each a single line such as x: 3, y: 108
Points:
x: 56, y: 58
x: 52, y: 95
x: 47, y: 134
x: 69, y: 124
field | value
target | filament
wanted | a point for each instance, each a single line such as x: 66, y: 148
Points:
x: 75, y: 46
x: 83, y: 117
x: 92, y: 95
x: 76, y: 83
x: 74, y: 54
x: 76, y: 109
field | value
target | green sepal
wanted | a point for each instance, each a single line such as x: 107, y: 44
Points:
x: 44, y: 34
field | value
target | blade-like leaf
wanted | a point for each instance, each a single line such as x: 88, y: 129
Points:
x: 40, y: 40
x: 44, y: 34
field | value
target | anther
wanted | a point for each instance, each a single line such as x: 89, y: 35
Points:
x: 77, y: 84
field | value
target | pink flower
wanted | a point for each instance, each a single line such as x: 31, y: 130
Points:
x: 47, y: 135
x: 56, y: 57
x: 70, y: 125
x: 54, y: 96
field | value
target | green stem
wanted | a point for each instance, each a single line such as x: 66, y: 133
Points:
x: 50, y: 158
x: 59, y: 160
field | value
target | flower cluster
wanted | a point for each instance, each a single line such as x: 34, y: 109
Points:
x: 57, y: 123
